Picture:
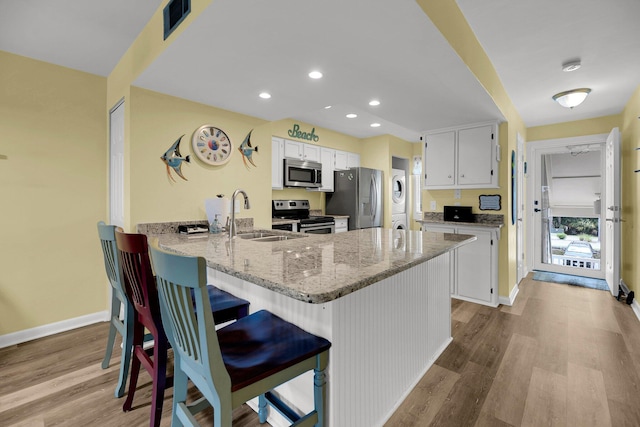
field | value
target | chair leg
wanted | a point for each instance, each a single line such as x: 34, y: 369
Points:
x: 127, y: 349
x: 138, y: 338
x: 263, y: 413
x: 115, y: 312
x: 180, y: 385
x: 222, y: 415
x: 160, y: 350
x: 319, y: 382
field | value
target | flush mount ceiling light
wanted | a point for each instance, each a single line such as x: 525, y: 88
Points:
x: 375, y: 125
x: 571, y: 98
x: 351, y: 116
x: 315, y: 75
x: 374, y: 102
x: 265, y: 95
x: 571, y: 66
x: 327, y: 107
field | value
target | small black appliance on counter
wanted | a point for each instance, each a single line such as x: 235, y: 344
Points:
x: 458, y: 214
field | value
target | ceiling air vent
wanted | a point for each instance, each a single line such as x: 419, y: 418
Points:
x: 174, y: 12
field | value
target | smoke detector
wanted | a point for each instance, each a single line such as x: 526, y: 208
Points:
x: 571, y: 66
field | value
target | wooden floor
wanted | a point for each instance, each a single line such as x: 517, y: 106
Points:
x: 562, y: 355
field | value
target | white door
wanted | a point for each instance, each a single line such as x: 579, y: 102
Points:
x: 116, y: 165
x: 612, y: 215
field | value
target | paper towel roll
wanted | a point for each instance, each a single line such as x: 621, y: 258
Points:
x: 217, y: 206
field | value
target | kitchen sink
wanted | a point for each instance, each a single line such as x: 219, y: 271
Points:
x: 261, y: 236
x: 254, y: 235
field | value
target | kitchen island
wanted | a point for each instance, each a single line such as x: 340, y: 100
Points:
x: 380, y: 296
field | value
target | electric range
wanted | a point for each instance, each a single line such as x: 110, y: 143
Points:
x: 298, y: 210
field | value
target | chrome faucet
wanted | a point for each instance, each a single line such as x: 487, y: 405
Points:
x: 232, y: 223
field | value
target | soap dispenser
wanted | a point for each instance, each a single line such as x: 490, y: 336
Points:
x: 215, y: 225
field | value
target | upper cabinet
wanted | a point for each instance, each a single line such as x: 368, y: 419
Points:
x: 302, y: 151
x: 345, y: 160
x: 464, y: 157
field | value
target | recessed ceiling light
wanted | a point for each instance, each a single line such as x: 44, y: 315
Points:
x: 351, y: 116
x: 375, y: 125
x: 374, y: 102
x: 265, y: 95
x: 571, y: 66
x: 315, y: 75
x: 327, y: 107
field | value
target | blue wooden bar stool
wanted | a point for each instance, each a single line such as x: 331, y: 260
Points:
x: 245, y: 359
x: 140, y: 287
x: 118, y: 299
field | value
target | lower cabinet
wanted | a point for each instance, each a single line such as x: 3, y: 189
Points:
x: 475, y: 265
x: 342, y: 225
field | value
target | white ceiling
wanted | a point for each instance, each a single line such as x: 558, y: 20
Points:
x: 366, y: 49
x: 528, y: 41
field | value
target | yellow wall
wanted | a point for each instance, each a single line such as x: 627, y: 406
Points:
x: 576, y: 128
x: 630, y: 133
x: 448, y: 18
x: 52, y: 188
x: 157, y: 120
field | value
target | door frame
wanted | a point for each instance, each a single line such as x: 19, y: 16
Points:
x: 534, y: 150
x: 521, y: 265
x: 116, y: 164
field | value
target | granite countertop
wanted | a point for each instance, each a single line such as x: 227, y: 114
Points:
x: 480, y: 220
x: 316, y: 268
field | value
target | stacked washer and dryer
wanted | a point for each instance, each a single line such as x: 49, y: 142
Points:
x: 398, y: 200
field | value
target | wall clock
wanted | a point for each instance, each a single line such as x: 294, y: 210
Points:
x: 212, y: 145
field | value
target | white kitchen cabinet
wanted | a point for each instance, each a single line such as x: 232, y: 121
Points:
x: 340, y: 160
x: 327, y: 157
x: 353, y: 160
x: 302, y: 151
x: 345, y: 160
x: 464, y: 157
x: 475, y: 265
x: 277, y: 154
x: 342, y: 225
x: 439, y: 155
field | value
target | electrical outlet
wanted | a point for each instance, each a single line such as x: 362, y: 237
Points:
x: 433, y: 205
x: 456, y: 194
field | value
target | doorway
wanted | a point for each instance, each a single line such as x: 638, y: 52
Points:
x: 571, y: 202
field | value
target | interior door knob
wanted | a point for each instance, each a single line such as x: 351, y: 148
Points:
x: 536, y: 210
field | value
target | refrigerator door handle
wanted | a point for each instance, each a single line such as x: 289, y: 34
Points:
x: 374, y: 198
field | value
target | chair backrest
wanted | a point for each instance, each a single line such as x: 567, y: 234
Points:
x: 193, y: 337
x: 137, y: 275
x: 110, y: 254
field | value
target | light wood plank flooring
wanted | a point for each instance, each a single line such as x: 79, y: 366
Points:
x: 561, y: 356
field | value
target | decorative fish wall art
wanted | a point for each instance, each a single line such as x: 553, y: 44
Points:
x: 247, y: 150
x: 173, y: 160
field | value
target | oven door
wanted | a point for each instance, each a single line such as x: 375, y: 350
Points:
x: 317, y: 228
x: 287, y: 227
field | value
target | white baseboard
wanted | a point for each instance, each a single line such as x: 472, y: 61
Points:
x: 52, y: 328
x: 511, y: 298
x: 636, y: 308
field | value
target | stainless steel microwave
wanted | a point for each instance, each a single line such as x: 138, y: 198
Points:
x: 302, y: 173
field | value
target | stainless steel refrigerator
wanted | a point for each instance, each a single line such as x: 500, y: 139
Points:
x: 357, y: 193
